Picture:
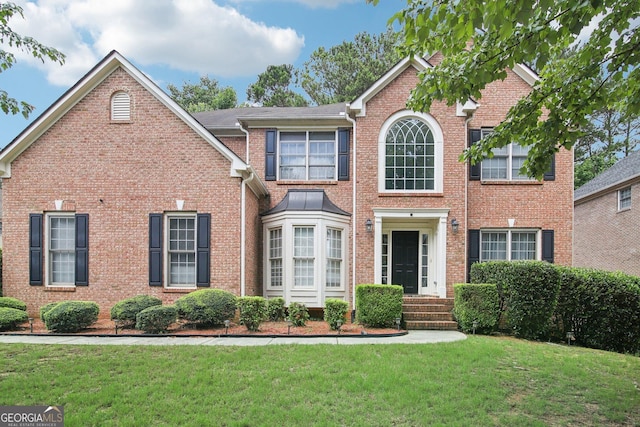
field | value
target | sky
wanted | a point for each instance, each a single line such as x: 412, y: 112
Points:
x: 176, y: 41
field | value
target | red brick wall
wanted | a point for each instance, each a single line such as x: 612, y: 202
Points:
x: 118, y: 173
x: 606, y: 238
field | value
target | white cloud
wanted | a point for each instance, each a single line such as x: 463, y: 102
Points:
x: 189, y: 35
x: 314, y: 4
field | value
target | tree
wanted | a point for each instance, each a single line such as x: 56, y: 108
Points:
x: 205, y: 96
x: 27, y: 44
x: 273, y: 88
x: 509, y: 32
x: 344, y: 72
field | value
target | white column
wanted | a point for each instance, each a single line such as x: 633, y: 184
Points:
x: 441, y: 257
x: 377, y: 250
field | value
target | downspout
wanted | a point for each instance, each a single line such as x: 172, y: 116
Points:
x: 466, y: 198
x: 353, y: 209
x: 243, y: 220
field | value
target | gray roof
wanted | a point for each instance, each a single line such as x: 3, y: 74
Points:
x: 624, y: 170
x: 306, y: 200
x: 220, y: 119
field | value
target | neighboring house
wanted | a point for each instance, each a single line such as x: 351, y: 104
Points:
x: 605, y: 236
x: 116, y: 191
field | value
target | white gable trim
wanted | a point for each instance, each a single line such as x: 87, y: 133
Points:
x: 84, y: 86
x: 526, y: 74
x: 359, y: 106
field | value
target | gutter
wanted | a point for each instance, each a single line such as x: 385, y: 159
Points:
x: 353, y: 208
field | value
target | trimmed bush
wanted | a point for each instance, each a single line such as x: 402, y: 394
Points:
x: 71, y: 316
x: 298, y: 314
x: 528, y: 293
x: 156, y: 319
x: 253, y: 311
x: 10, y: 318
x: 335, y: 311
x: 45, y: 308
x: 378, y: 306
x: 126, y: 311
x: 477, y: 302
x: 601, y: 308
x: 10, y: 302
x: 207, y: 307
x: 275, y: 309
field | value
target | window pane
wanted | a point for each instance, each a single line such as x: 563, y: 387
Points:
x: 494, y: 168
x: 409, y: 156
x: 334, y: 258
x: 62, y: 249
x: 625, y: 198
x: 494, y: 246
x: 275, y: 256
x: 303, y: 262
x: 182, y: 268
x: 307, y: 156
x: 63, y: 267
x: 63, y: 231
x: 182, y: 251
x: 523, y: 246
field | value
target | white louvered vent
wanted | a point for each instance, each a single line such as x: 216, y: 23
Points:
x: 120, y: 107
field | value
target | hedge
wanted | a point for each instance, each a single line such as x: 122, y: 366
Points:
x: 275, y: 309
x: 71, y: 316
x: 335, y: 311
x: 156, y: 319
x: 378, y: 306
x: 298, y: 314
x: 476, y: 302
x: 10, y: 318
x: 126, y: 311
x: 207, y: 307
x: 10, y: 302
x: 45, y: 308
x: 253, y: 311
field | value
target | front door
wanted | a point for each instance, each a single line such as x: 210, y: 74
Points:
x: 404, y: 257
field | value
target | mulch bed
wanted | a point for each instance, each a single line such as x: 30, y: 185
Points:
x: 312, y: 328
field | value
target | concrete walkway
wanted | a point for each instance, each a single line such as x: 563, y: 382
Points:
x: 413, y: 337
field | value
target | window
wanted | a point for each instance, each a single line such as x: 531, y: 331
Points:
x: 182, y: 251
x: 385, y: 259
x: 508, y: 245
x: 505, y: 163
x: 308, y: 155
x: 303, y: 257
x: 334, y: 258
x: 120, y: 106
x: 275, y: 257
x: 624, y: 198
x: 410, y: 162
x: 62, y: 230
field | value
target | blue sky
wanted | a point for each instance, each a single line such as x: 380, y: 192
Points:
x: 177, y: 41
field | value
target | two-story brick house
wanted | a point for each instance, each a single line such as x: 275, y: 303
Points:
x: 116, y: 191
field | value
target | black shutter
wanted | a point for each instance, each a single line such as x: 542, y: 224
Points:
x: 270, y: 157
x: 82, y: 249
x: 550, y: 175
x: 155, y: 249
x: 475, y: 135
x: 203, y: 250
x: 35, y: 249
x: 343, y: 154
x: 547, y: 245
x: 474, y: 251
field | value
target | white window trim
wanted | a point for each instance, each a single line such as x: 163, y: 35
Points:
x: 619, y: 193
x: 438, y: 142
x: 509, y: 231
x: 166, y: 252
x: 47, y: 255
x: 307, y: 166
x: 509, y: 147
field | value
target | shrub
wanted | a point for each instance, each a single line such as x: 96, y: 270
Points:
x: 207, y: 307
x: 253, y: 311
x: 378, y: 305
x: 10, y: 318
x: 156, y: 319
x: 10, y: 302
x: 476, y: 302
x: 601, y: 308
x: 275, y: 309
x: 45, y: 308
x: 125, y: 311
x: 298, y: 314
x: 528, y: 293
x: 335, y: 311
x: 71, y: 316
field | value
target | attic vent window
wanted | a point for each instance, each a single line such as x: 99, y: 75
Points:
x: 120, y: 107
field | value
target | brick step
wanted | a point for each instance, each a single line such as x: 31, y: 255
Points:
x: 426, y: 308
x: 436, y: 316
x: 427, y: 300
x: 432, y: 325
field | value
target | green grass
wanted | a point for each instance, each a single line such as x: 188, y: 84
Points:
x: 481, y: 381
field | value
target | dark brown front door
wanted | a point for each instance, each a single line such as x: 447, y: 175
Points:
x: 404, y: 256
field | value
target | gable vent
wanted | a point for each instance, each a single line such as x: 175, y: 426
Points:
x: 120, y: 106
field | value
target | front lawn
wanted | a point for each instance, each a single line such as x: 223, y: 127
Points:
x: 480, y: 381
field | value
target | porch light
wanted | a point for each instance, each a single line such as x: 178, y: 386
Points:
x: 31, y: 324
x: 455, y: 225
x: 369, y: 225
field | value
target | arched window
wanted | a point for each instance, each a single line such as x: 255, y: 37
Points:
x: 120, y: 106
x: 411, y: 154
